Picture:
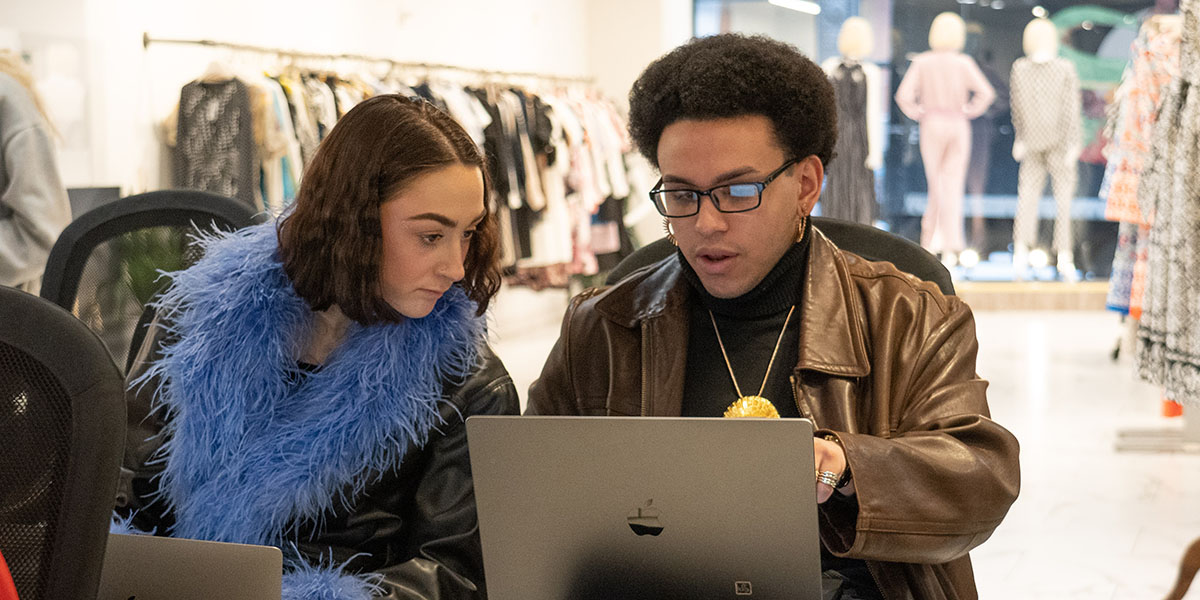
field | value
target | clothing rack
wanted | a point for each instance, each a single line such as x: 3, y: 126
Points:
x: 147, y: 40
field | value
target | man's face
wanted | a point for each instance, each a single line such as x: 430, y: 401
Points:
x: 733, y: 252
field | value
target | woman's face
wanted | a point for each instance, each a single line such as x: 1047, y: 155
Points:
x: 427, y: 230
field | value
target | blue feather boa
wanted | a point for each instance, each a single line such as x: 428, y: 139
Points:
x: 251, y: 456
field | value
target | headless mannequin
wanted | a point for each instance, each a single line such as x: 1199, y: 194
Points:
x: 850, y: 191
x: 943, y: 90
x: 1047, y: 124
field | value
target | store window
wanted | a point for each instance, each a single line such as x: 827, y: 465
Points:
x: 1095, y: 39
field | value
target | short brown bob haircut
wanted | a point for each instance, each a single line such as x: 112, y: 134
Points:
x: 331, y: 243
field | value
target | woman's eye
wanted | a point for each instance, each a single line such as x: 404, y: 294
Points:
x: 468, y: 234
x: 431, y: 238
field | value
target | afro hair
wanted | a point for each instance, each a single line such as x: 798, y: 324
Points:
x: 732, y: 75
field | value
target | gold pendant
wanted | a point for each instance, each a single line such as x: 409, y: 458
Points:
x: 751, y: 406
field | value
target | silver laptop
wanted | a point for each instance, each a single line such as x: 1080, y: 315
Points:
x: 143, y: 567
x: 639, y: 507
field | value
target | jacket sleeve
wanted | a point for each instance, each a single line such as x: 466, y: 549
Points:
x: 908, y: 94
x: 137, y: 490
x: 939, y: 483
x: 442, y: 528
x: 553, y: 393
x: 983, y: 94
x: 33, y: 207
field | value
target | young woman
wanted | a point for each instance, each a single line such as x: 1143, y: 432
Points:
x: 305, y: 384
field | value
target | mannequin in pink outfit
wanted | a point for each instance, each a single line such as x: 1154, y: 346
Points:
x: 943, y: 90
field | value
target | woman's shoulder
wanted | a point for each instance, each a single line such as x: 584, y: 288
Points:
x: 488, y: 389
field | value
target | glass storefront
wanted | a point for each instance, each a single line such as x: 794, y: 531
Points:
x: 1095, y: 38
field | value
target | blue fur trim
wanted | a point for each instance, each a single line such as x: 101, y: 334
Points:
x: 327, y: 582
x: 124, y: 525
x: 250, y: 456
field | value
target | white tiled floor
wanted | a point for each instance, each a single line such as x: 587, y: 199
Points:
x: 1091, y: 523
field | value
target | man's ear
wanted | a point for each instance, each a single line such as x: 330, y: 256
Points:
x: 811, y: 173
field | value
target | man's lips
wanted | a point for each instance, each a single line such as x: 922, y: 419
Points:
x: 715, y: 261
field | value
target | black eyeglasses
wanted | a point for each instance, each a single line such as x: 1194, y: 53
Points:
x: 728, y: 198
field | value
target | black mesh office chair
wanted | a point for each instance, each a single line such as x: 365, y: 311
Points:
x: 868, y: 242
x: 105, y: 266
x: 62, y: 430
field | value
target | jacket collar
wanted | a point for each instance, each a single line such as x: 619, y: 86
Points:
x: 831, y: 336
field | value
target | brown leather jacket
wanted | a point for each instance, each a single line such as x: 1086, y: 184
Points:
x: 886, y: 362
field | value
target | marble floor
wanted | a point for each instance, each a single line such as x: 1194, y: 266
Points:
x: 1092, y: 522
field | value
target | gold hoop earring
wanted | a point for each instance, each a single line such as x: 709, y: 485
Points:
x: 670, y: 234
x: 803, y: 226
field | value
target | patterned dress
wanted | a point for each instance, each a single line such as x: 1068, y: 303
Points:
x: 1169, y: 332
x: 1154, y: 65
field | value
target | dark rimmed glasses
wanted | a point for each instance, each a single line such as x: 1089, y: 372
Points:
x: 728, y: 198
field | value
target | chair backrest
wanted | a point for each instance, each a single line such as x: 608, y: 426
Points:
x: 105, y: 266
x: 868, y: 242
x: 62, y: 431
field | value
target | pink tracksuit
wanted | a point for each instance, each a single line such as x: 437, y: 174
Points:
x: 943, y: 91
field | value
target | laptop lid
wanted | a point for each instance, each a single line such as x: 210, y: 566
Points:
x: 646, y: 507
x: 144, y: 567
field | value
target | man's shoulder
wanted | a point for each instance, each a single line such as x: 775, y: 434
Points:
x: 881, y: 283
x: 642, y: 294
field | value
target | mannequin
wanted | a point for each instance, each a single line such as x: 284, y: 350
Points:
x: 943, y: 90
x: 1047, y: 125
x: 850, y: 189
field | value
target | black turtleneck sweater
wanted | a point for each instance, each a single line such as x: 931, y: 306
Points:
x: 750, y: 325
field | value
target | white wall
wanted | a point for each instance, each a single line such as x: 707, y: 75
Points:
x: 624, y: 36
x: 130, y: 89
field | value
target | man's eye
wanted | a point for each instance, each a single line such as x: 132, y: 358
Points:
x: 743, y: 190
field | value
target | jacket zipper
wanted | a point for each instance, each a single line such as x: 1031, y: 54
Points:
x: 645, y: 370
x: 875, y: 576
x: 796, y: 396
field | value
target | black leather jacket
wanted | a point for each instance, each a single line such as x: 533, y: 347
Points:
x: 415, y: 525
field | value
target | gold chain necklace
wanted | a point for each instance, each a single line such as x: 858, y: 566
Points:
x: 751, y: 406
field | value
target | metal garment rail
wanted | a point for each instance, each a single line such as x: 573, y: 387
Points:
x: 147, y: 40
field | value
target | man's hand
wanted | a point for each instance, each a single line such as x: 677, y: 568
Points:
x: 829, y: 456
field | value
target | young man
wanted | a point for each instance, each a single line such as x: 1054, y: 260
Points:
x: 759, y: 312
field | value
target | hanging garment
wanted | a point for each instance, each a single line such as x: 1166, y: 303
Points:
x: 215, y: 140
x: 1154, y: 65
x: 1169, y: 332
x: 943, y: 91
x: 1047, y: 121
x: 849, y: 192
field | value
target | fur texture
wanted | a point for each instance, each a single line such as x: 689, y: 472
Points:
x: 250, y: 456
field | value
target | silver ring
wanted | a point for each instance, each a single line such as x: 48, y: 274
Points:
x: 828, y: 478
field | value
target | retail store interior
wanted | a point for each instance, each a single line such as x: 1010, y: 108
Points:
x: 1058, y: 203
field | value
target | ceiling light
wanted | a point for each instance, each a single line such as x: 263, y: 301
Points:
x: 1087, y: 25
x: 966, y: 1
x: 804, y: 6
x: 998, y: 4
x: 1040, y: 12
